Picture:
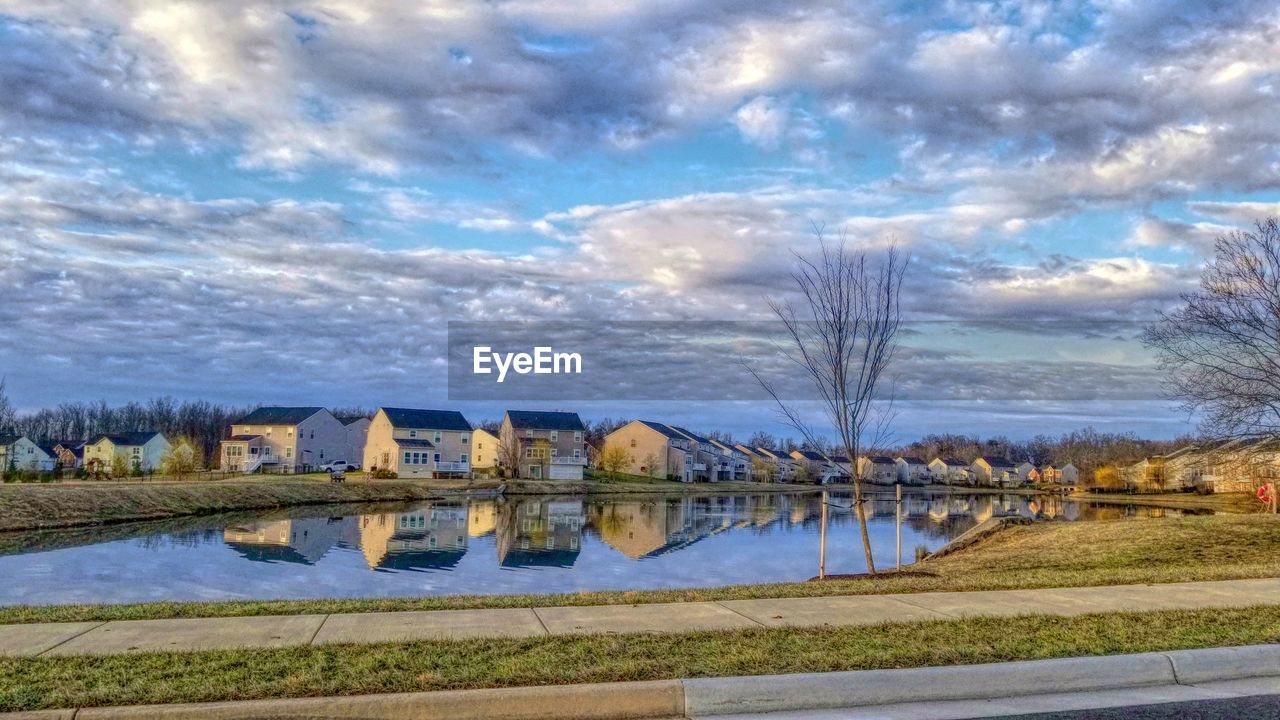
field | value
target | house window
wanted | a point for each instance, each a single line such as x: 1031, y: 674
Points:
x: 289, y: 432
x: 288, y: 452
x: 407, y: 461
x: 268, y: 433
x: 321, y: 454
x: 577, y: 454
x: 577, y: 436
x: 463, y: 458
x: 465, y: 439
x: 479, y: 446
x: 437, y: 436
x: 633, y: 442
x: 413, y: 433
x: 528, y: 433
x: 554, y: 451
x: 436, y: 457
x: 688, y: 460
x: 555, y: 436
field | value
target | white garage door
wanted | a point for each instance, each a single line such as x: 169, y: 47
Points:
x: 566, y: 472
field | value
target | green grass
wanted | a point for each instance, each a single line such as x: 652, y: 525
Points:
x: 1051, y: 554
x: 37, y: 683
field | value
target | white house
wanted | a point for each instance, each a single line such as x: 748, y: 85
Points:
x: 20, y: 453
x: 950, y: 471
x: 912, y: 470
x: 357, y: 427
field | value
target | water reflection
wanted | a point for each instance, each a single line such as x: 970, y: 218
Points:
x: 536, y: 544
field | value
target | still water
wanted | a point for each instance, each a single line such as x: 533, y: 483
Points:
x: 513, y: 545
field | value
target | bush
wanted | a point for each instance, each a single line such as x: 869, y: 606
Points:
x: 377, y: 474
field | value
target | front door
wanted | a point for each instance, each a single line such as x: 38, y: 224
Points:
x: 535, y: 471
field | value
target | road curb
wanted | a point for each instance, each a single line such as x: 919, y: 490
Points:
x: 729, y: 695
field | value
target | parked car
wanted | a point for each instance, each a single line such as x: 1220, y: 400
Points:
x: 339, y: 465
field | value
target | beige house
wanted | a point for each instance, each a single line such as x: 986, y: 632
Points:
x: 285, y: 439
x: 951, y: 471
x: 818, y: 466
x: 656, y: 450
x: 484, y: 449
x: 141, y: 451
x: 782, y: 464
x: 357, y: 435
x: 878, y: 469
x: 20, y: 453
x: 543, y: 445
x: 996, y: 471
x: 419, y: 443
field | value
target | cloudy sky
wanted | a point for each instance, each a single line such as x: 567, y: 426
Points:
x: 286, y: 202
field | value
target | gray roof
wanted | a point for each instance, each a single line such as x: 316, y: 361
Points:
x: 666, y: 430
x: 691, y: 435
x: 278, y: 416
x: 348, y: 419
x: 911, y: 460
x: 996, y: 462
x: 954, y: 462
x: 128, y: 438
x: 427, y: 419
x: 549, y: 420
x: 812, y: 455
x: 882, y: 460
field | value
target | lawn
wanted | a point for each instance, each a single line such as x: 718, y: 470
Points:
x: 1049, y: 554
x: 65, y: 682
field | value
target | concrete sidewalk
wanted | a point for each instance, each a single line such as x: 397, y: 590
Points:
x: 122, y: 636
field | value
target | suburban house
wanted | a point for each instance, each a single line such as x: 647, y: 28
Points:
x: 784, y: 466
x: 20, y: 453
x: 819, y: 467
x: 1146, y: 475
x: 736, y: 462
x: 1181, y: 468
x: 659, y: 450
x: 357, y: 434
x: 950, y: 471
x: 543, y: 445
x: 912, y: 470
x: 141, y: 451
x: 995, y: 471
x: 878, y: 469
x: 1068, y: 474
x: 69, y: 454
x: 285, y: 439
x: 484, y: 449
x: 418, y: 443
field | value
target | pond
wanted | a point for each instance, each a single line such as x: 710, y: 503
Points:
x: 512, y: 545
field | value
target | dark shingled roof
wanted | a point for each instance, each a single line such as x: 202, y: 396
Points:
x: 910, y: 460
x: 427, y: 419
x: 129, y: 438
x: 882, y: 460
x: 348, y: 419
x: 812, y: 455
x: 691, y: 435
x: 278, y: 416
x: 997, y: 462
x: 537, y: 420
x: 954, y: 462
x: 666, y: 430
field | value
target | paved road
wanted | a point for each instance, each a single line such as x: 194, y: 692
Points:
x: 1264, y: 707
x: 90, y: 638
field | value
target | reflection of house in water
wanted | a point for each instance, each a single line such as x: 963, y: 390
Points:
x: 482, y: 517
x: 299, y: 540
x: 425, y: 538
x: 649, y: 529
x: 532, y: 533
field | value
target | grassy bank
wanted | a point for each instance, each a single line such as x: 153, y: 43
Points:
x: 36, y: 683
x: 1137, y: 550
x: 64, y: 505
x: 1220, y: 502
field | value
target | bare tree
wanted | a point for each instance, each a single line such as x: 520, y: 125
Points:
x: 8, y: 416
x: 843, y: 340
x: 1221, y: 347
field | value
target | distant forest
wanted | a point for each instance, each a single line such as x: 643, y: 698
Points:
x: 206, y: 424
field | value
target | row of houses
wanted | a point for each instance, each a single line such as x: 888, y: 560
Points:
x: 136, y: 451
x: 1238, y: 465
x: 409, y: 442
